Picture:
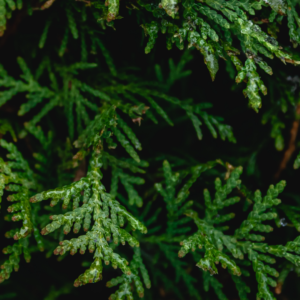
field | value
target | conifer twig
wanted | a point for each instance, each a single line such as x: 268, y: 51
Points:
x: 47, y: 4
x: 291, y: 146
x: 81, y: 172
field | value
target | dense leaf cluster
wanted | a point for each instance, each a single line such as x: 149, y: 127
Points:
x: 91, y: 122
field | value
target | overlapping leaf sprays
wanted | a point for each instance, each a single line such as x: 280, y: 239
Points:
x: 209, y: 25
x: 216, y: 244
x: 68, y: 36
x: 18, y: 178
x: 125, y: 291
x: 98, y: 207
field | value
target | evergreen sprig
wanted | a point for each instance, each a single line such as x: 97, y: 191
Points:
x: 108, y: 216
x: 76, y: 105
x: 18, y: 178
x: 214, y: 240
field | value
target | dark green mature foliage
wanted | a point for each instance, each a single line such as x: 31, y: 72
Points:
x: 108, y: 145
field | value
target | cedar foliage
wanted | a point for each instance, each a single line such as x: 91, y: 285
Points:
x: 123, y: 122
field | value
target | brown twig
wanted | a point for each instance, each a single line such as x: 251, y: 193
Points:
x: 46, y: 5
x: 291, y: 146
x: 81, y: 172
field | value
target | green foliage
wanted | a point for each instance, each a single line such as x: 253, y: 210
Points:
x: 223, y: 16
x: 17, y: 177
x: 177, y: 227
x: 6, y: 8
x: 89, y: 119
x: 124, y: 290
x: 214, y: 241
x: 108, y: 216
